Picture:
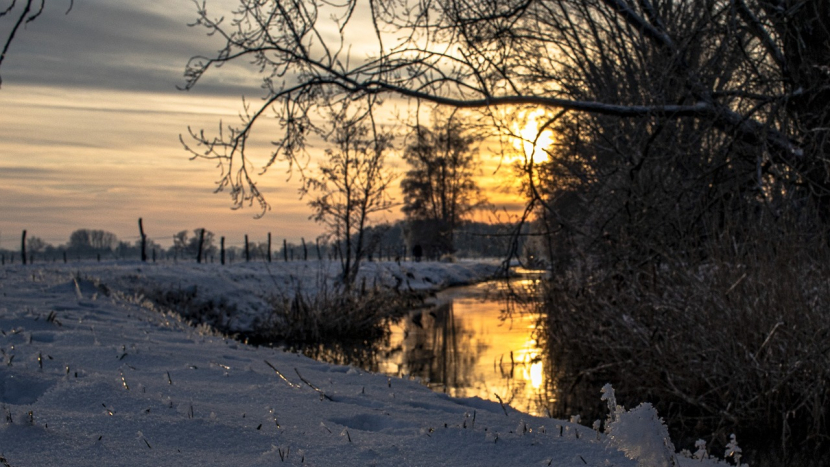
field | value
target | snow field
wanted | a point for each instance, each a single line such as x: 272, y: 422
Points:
x: 90, y: 377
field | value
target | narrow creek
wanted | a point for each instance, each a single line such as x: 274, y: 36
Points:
x: 472, y: 341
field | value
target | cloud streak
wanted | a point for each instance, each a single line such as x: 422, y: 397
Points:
x: 101, y: 44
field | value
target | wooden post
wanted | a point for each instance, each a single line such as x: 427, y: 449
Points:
x: 317, y: 244
x: 222, y: 251
x: 269, y: 247
x: 64, y: 256
x: 98, y: 256
x: 23, y: 247
x: 285, y: 250
x: 247, y: 251
x: 154, y: 254
x: 143, y: 241
x: 305, y: 250
x: 201, y: 245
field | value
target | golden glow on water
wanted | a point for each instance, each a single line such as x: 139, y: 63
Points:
x: 537, y: 375
x: 467, y: 347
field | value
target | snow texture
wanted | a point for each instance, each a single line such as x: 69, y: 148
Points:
x: 93, y: 374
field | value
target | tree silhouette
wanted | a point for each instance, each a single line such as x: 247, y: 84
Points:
x: 351, y: 186
x: 750, y: 72
x: 439, y: 189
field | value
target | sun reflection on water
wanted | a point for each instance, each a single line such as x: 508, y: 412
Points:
x: 468, y: 346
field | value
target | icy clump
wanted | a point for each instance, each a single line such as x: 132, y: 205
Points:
x: 639, y: 433
x: 700, y: 450
x: 734, y: 451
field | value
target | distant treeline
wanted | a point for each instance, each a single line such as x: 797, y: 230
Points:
x: 393, y: 241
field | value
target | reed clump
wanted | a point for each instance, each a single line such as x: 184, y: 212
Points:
x: 738, y: 342
x: 336, y: 313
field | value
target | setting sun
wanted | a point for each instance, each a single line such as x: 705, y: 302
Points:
x: 533, y: 143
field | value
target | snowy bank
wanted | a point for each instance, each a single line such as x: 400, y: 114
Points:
x: 92, y: 376
x: 239, y: 294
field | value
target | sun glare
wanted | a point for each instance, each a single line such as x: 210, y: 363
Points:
x: 529, y: 134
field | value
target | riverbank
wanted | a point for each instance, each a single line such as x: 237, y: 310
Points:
x: 92, y: 374
x: 238, y: 298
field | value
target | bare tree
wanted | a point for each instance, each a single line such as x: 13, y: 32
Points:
x: 86, y: 239
x: 439, y: 189
x: 186, y: 246
x: 516, y: 53
x: 351, y: 186
x: 35, y: 244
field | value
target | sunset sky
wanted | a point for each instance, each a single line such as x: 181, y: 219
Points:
x: 90, y: 125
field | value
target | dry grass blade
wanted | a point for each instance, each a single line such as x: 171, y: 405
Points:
x: 281, y: 375
x: 320, y: 391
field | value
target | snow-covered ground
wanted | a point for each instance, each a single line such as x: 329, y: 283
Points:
x: 241, y: 291
x: 92, y: 373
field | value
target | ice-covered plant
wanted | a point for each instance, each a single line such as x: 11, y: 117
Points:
x: 611, y: 399
x: 700, y: 453
x: 733, y: 450
x: 642, y: 435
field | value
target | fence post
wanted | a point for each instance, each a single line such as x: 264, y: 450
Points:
x: 64, y: 256
x: 201, y: 245
x: 23, y: 247
x: 154, y: 254
x: 317, y: 244
x: 305, y: 250
x: 285, y: 250
x: 222, y: 251
x: 143, y: 241
x: 247, y: 251
x: 269, y: 247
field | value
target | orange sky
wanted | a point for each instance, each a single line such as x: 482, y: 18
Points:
x: 90, y: 124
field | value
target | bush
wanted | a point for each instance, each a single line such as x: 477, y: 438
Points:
x: 737, y: 343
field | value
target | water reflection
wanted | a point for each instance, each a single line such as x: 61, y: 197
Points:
x: 475, y: 341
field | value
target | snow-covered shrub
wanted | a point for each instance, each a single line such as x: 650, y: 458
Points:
x: 642, y: 435
x: 733, y: 451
